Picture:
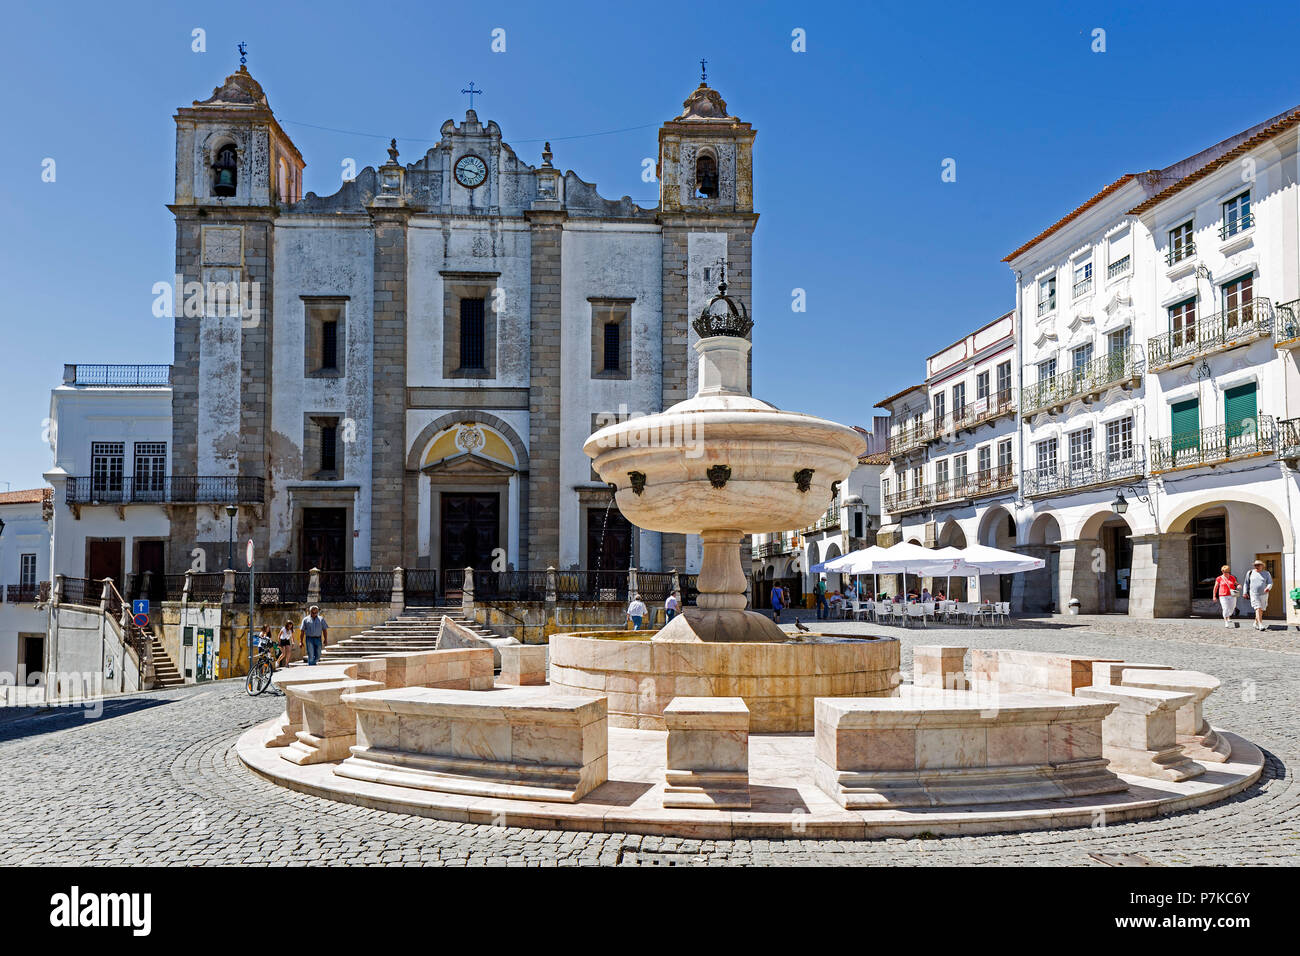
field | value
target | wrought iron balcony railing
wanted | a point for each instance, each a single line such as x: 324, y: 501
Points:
x: 1215, y: 333
x: 910, y: 436
x: 780, y: 545
x: 991, y: 481
x: 1286, y: 325
x: 169, y: 489
x: 1180, y: 251
x: 1112, y: 368
x: 1083, y: 287
x: 1215, y: 445
x: 831, y: 518
x: 1288, y: 438
x: 27, y: 593
x: 1231, y: 227
x: 1046, y: 305
x: 1119, y: 267
x: 117, y: 375
x: 1074, y: 475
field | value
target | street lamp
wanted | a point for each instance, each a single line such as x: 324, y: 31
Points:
x: 231, y: 510
x: 1120, y: 504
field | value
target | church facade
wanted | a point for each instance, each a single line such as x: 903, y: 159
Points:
x: 411, y: 365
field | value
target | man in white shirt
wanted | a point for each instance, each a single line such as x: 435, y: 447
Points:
x: 671, y: 606
x: 636, y: 612
x: 1258, y: 583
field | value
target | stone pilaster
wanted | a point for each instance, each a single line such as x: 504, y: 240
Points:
x: 544, y: 399
x: 1160, y: 584
x: 388, y: 428
x: 1077, y: 576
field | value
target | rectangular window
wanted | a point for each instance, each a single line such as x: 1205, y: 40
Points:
x: 918, y: 479
x: 959, y: 467
x: 958, y: 399
x: 884, y: 488
x: 150, y: 469
x: 1047, y: 370
x: 1236, y: 215
x: 329, y: 346
x: 106, y: 459
x: 1004, y: 456
x: 1045, y: 452
x: 612, y: 347
x: 1237, y: 298
x: 1240, y: 410
x: 940, y: 407
x: 1181, y: 245
x: 1118, y: 341
x: 329, y: 448
x: 1046, y: 295
x: 1119, y: 256
x: 1080, y: 357
x: 1004, y: 382
x: 1185, y: 425
x: 982, y: 386
x: 27, y: 571
x: 1119, y: 440
x: 472, y: 342
x: 1082, y: 278
x: 983, y: 461
x: 1182, y: 322
x: 1080, y: 450
x: 941, y: 472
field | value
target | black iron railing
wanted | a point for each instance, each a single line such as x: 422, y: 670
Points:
x: 654, y: 585
x: 1180, y: 251
x: 1224, y: 330
x: 1286, y: 324
x: 691, y: 588
x: 82, y: 591
x: 172, y: 489
x: 117, y: 375
x: 22, y: 593
x: 360, y: 587
x: 990, y: 481
x: 420, y: 584
x: 1220, y: 443
x: 1231, y: 227
x: 1098, y: 373
x: 1085, y: 473
x: 591, y: 586
x: 1288, y: 438
x: 207, y: 586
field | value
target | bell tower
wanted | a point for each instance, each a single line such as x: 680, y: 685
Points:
x: 706, y: 211
x: 235, y: 170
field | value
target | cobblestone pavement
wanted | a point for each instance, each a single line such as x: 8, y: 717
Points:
x: 156, y: 780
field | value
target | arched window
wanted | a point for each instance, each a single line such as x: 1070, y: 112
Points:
x: 706, y: 176
x: 225, y: 171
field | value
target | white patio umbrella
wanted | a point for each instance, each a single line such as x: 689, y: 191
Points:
x: 977, y: 559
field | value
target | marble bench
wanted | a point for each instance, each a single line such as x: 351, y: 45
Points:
x: 286, y: 731
x: 523, y: 743
x: 328, y: 727
x: 1017, y: 672
x: 1198, y: 738
x: 523, y: 664
x: 952, y: 748
x: 708, y: 753
x: 1138, y: 736
x: 938, y: 665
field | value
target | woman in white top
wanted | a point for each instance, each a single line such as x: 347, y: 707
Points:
x: 636, y: 612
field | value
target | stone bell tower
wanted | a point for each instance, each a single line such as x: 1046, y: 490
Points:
x: 706, y: 208
x: 235, y: 168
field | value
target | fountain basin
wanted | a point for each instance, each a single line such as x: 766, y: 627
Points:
x: 778, y: 682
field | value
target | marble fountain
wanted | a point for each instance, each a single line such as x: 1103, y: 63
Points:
x: 723, y: 725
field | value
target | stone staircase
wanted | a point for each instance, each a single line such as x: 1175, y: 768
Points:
x: 165, y: 673
x: 416, y: 629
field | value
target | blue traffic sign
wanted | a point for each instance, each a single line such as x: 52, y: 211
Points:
x: 140, y: 607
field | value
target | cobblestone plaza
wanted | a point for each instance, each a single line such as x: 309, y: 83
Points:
x: 156, y: 780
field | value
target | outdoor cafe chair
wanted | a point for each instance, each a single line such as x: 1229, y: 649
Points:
x: 918, y: 610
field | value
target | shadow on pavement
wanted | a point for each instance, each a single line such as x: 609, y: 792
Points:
x: 17, y: 723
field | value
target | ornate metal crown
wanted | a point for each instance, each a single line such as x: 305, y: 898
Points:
x: 734, y: 320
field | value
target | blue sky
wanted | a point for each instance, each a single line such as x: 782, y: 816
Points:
x: 851, y: 137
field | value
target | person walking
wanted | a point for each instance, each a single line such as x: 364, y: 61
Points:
x: 671, y: 605
x: 1225, y: 589
x: 778, y: 601
x: 636, y: 612
x: 823, y: 609
x: 1258, y: 583
x: 286, y: 643
x: 316, y: 632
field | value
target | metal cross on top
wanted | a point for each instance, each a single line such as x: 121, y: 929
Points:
x: 243, y: 53
x: 472, y: 93
x: 704, y: 74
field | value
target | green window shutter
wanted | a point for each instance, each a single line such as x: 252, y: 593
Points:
x: 1185, y: 424
x: 1239, y: 407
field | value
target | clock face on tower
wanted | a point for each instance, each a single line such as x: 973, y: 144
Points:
x: 470, y: 171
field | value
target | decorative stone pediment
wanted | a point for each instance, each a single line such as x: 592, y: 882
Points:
x: 1045, y: 336
x: 1078, y: 321
x: 704, y: 103
x: 239, y: 89
x: 1117, y: 301
x: 467, y: 464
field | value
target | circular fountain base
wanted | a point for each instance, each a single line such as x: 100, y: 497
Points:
x: 778, y: 682
x: 697, y: 625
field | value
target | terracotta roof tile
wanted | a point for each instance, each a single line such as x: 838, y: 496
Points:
x: 32, y: 496
x: 1067, y: 219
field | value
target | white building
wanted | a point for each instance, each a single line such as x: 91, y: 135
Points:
x: 110, y: 429
x: 851, y: 522
x: 951, y: 478
x: 25, y: 576
x: 1159, y: 332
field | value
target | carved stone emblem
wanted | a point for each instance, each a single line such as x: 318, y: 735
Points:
x: 803, y: 479
x: 470, y: 437
x: 719, y: 475
x: 638, y: 481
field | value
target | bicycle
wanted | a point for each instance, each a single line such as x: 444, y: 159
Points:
x: 259, y: 675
